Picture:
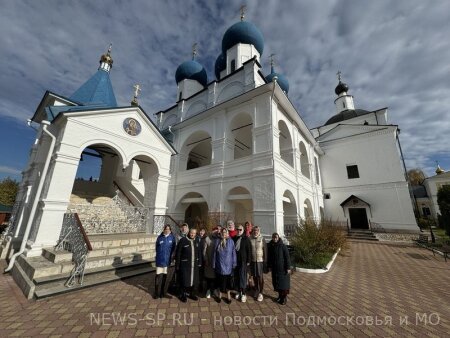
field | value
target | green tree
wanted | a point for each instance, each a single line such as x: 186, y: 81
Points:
x: 8, y: 191
x: 443, y: 199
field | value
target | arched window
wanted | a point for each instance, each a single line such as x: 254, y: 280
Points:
x: 286, y: 151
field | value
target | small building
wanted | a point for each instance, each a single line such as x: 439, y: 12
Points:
x: 432, y: 185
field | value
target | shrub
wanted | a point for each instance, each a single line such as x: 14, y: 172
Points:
x: 314, y: 243
x: 425, y: 223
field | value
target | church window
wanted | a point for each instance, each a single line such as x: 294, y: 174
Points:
x: 343, y: 103
x: 233, y: 65
x: 352, y: 171
x: 181, y: 95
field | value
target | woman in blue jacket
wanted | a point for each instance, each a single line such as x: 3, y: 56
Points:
x: 165, y: 247
x: 224, y: 261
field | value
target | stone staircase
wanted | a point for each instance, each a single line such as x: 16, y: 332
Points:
x: 361, y: 234
x: 113, y: 257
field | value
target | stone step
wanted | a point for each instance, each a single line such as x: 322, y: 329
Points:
x: 36, y: 267
x: 57, y: 287
x: 362, y: 237
x: 99, y: 241
x: 65, y: 276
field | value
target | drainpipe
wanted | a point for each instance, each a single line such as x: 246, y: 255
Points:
x: 38, y: 194
x: 274, y: 80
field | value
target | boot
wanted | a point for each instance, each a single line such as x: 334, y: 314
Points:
x: 283, y: 300
x: 183, y: 296
x: 228, y: 300
x: 162, y: 293
x: 157, y: 286
x: 193, y: 295
x: 279, y: 297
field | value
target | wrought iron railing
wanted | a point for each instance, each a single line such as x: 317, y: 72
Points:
x: 160, y: 220
x: 73, y: 238
x: 290, y: 229
x: 12, y: 223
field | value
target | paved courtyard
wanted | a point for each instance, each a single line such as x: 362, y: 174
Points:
x: 373, y: 289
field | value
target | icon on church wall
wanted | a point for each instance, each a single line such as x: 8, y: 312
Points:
x: 131, y: 126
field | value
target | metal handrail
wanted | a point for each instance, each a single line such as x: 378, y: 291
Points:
x: 73, y: 238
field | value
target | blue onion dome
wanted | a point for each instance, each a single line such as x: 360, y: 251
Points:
x: 220, y: 65
x: 341, y: 88
x: 281, y: 80
x: 191, y: 70
x: 243, y: 32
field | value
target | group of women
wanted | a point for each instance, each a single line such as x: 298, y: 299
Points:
x: 228, y: 258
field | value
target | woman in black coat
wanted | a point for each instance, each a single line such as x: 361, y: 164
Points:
x: 187, y: 263
x: 280, y: 265
x: 243, y: 255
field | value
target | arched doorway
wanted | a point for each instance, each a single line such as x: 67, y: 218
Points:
x: 241, y: 129
x: 241, y: 205
x: 96, y: 171
x: 286, y: 151
x: 194, y: 208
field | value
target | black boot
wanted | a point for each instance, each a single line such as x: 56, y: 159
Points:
x: 162, y: 293
x: 283, y: 300
x: 192, y: 294
x: 279, y: 297
x: 183, y: 296
x: 157, y: 286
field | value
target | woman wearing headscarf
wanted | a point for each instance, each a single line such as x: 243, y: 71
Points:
x: 224, y: 262
x: 259, y: 260
x: 188, y: 261
x: 165, y: 247
x: 243, y: 254
x: 280, y: 265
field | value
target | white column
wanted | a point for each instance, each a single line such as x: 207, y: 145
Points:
x: 49, y: 217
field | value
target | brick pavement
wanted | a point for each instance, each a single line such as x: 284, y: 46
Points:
x: 371, y: 281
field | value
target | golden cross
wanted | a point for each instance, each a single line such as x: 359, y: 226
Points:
x: 243, y: 8
x: 339, y: 75
x: 272, y: 60
x: 109, y: 48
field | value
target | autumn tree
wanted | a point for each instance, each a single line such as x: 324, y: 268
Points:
x: 416, y: 176
x: 8, y: 191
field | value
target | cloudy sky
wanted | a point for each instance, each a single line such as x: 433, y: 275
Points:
x: 393, y: 54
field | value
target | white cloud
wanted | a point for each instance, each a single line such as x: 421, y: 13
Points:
x: 391, y: 54
x: 9, y: 170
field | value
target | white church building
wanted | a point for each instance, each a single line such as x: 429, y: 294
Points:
x: 234, y: 147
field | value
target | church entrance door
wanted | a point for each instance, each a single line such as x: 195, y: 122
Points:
x: 358, y: 218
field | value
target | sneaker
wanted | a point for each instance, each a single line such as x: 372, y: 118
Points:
x: 228, y: 301
x: 208, y: 294
x: 260, y: 297
x: 243, y: 298
x: 238, y: 295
